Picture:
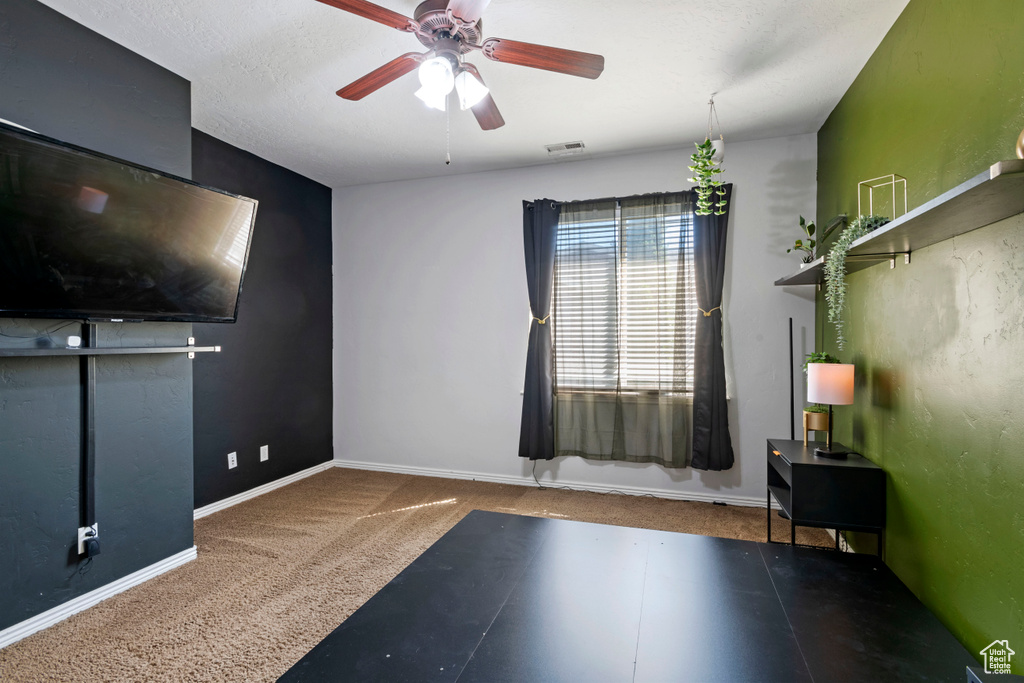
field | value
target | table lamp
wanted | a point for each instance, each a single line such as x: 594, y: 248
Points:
x: 832, y: 384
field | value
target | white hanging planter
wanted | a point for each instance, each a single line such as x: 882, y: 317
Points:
x: 719, y: 147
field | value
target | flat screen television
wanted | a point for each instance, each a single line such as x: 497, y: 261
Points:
x: 84, y: 235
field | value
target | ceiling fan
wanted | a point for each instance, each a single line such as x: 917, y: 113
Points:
x: 451, y: 29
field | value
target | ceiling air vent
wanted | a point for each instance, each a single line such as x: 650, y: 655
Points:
x: 565, y: 149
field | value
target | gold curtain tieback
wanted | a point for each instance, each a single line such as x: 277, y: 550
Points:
x: 707, y: 314
x: 544, y: 321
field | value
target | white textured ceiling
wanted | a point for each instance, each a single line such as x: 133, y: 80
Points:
x: 264, y: 75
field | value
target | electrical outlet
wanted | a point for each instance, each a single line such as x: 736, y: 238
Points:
x: 232, y: 460
x: 86, y: 531
x: 264, y: 453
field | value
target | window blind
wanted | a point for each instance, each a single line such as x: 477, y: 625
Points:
x: 624, y: 296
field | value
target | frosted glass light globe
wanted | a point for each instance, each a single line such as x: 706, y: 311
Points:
x: 470, y: 90
x: 436, y: 75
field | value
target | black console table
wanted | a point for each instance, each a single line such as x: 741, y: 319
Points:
x: 845, y: 495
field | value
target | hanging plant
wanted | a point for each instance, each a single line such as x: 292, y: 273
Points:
x: 710, y: 192
x: 705, y: 175
x: 835, y: 268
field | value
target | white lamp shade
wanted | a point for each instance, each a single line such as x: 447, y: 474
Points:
x: 830, y: 383
x: 470, y: 89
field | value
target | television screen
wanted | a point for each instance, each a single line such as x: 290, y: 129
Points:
x: 87, y: 236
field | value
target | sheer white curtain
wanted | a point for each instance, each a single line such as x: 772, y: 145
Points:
x: 624, y: 318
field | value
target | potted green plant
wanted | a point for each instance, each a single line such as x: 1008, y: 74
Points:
x: 705, y: 175
x: 819, y: 357
x: 835, y: 268
x: 816, y: 416
x: 808, y: 246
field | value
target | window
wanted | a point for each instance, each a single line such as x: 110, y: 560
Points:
x: 624, y: 296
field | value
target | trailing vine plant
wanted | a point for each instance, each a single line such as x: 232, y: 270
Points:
x: 710, y: 192
x: 835, y: 268
x: 705, y: 175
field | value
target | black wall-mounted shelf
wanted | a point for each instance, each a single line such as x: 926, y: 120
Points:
x: 108, y: 351
x: 988, y: 197
x: 87, y: 367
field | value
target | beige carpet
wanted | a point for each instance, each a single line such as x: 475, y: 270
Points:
x: 278, y: 573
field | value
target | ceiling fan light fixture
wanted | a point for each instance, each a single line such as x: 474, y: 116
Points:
x: 470, y: 89
x: 436, y: 74
x: 434, y: 99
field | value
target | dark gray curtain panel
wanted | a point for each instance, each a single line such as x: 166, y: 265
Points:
x: 712, y: 444
x: 536, y: 431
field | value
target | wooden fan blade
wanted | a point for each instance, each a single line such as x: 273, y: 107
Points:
x: 374, y: 13
x: 467, y: 11
x: 569, y: 62
x: 378, y: 78
x: 485, y: 111
x: 487, y: 114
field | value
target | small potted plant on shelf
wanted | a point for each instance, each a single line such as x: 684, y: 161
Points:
x: 816, y: 416
x: 806, y: 247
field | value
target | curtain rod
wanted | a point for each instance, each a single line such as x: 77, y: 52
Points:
x: 619, y: 199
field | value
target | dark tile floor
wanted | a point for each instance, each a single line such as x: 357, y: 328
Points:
x: 509, y: 598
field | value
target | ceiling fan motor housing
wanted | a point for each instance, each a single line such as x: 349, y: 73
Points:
x: 436, y: 25
x: 450, y: 50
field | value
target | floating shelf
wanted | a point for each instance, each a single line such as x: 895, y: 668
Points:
x: 107, y: 351
x: 813, y: 273
x: 988, y: 197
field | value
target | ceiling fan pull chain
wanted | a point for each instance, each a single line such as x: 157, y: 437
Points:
x: 447, y: 132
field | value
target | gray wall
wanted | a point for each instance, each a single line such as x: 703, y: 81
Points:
x: 431, y: 316
x: 67, y: 82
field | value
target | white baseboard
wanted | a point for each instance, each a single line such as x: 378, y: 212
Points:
x: 260, y: 490
x: 50, y: 617
x: 699, y: 496
x: 41, y: 621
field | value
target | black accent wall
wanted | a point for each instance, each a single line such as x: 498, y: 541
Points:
x: 271, y: 385
x: 65, y: 81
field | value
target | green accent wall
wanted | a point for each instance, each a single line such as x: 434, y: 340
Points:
x: 939, y: 343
